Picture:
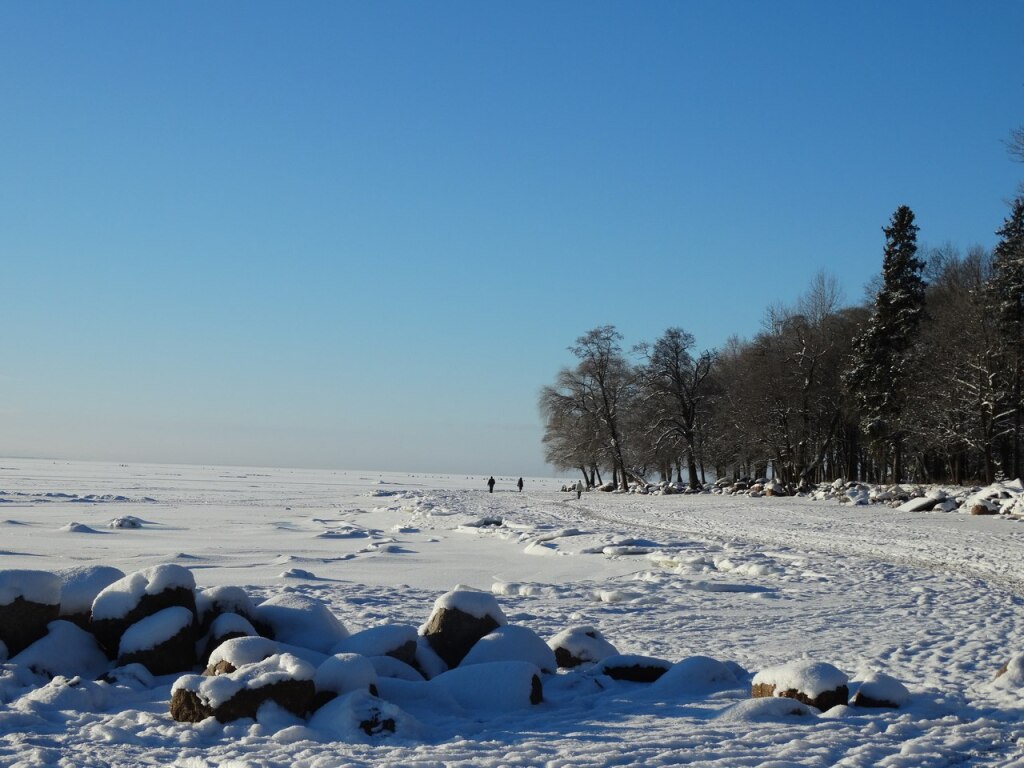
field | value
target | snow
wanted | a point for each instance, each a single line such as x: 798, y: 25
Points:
x: 809, y: 677
x: 240, y: 651
x: 118, y: 599
x: 345, y: 672
x: 731, y: 583
x: 377, y: 641
x: 67, y: 649
x: 81, y: 584
x: 882, y: 687
x: 302, y: 620
x: 512, y: 643
x: 32, y: 586
x: 494, y: 687
x: 153, y: 630
x: 584, y: 643
x: 227, y: 623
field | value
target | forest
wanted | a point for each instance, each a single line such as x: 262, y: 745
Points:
x: 922, y: 383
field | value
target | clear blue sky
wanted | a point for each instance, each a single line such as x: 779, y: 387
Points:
x: 362, y: 235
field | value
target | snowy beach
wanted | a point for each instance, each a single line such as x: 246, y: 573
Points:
x: 930, y: 599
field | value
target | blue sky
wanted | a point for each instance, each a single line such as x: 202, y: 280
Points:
x: 362, y: 235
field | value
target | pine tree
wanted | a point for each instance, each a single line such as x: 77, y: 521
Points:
x: 879, y: 376
x: 1006, y: 291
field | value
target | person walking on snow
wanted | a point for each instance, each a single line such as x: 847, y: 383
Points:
x: 490, y: 484
x: 520, y: 484
x: 579, y: 488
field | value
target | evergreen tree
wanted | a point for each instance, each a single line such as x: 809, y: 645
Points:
x: 1006, y: 290
x: 879, y: 376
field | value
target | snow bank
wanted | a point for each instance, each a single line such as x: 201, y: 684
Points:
x: 767, y: 710
x: 360, y: 717
x: 377, y: 641
x: 32, y: 586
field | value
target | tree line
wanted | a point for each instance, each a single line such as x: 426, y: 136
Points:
x: 922, y: 384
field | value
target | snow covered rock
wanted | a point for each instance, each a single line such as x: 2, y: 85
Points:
x: 635, y: 669
x: 303, y: 621
x: 358, y: 716
x: 1011, y: 674
x: 138, y: 595
x: 580, y: 645
x: 815, y: 683
x: 284, y: 679
x: 214, y: 601
x: 697, y: 676
x: 67, y: 650
x: 395, y: 640
x: 495, y: 687
x: 343, y: 673
x: 880, y: 690
x: 227, y: 626
x: 236, y: 653
x: 512, y: 643
x: 79, y: 587
x: 920, y: 504
x: 163, y: 643
x: 29, y: 600
x: 459, y: 619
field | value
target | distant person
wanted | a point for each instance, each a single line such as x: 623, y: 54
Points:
x: 490, y: 485
x: 579, y: 488
x: 520, y: 484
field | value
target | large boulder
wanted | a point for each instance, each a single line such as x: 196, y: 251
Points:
x: 29, y: 601
x: 66, y: 650
x: 580, y: 645
x: 227, y: 626
x: 814, y: 683
x: 283, y: 679
x: 212, y: 602
x: 496, y: 687
x: 136, y: 596
x: 459, y: 619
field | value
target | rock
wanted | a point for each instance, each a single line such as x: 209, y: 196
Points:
x: 29, y: 600
x: 213, y: 602
x: 227, y: 626
x: 79, y: 588
x: 303, y: 621
x: 138, y: 595
x: 580, y: 645
x: 814, y: 683
x: 879, y: 690
x: 283, y: 679
x: 460, y: 618
x: 635, y: 669
x: 163, y: 643
x: 984, y: 508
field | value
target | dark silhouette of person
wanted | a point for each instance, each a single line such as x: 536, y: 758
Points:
x: 490, y: 485
x: 520, y: 484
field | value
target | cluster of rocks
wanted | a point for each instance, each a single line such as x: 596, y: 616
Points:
x: 293, y: 652
x: 1006, y: 498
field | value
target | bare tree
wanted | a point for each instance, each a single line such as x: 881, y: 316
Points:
x: 675, y: 384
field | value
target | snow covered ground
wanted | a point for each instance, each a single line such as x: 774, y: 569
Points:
x: 931, y: 599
